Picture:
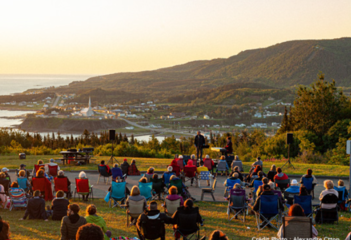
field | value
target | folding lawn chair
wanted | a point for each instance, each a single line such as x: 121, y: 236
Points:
x: 82, y: 187
x: 180, y: 163
x: 189, y: 173
x: 342, y: 198
x: 39, y: 184
x: 171, y: 206
x: 178, y: 184
x: 117, y: 193
x: 18, y: 198
x: 103, y: 172
x: 62, y: 184
x: 135, y: 209
x: 53, y: 170
x: 237, y: 204
x: 209, y: 190
x: 229, y: 185
x: 117, y: 173
x: 306, y: 203
x: 157, y: 188
x: 22, y: 183
x: 297, y: 228
x: 166, y: 177
x: 187, y: 225
x: 268, y: 212
x: 282, y: 184
x: 329, y: 215
x: 146, y: 190
x: 308, y: 183
x: 205, y: 176
x: 222, y: 167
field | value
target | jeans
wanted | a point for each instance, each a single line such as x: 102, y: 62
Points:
x: 199, y: 152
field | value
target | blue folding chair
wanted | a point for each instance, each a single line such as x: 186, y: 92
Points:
x: 257, y: 184
x: 146, y: 190
x: 229, y: 185
x: 268, y: 211
x: 117, y: 193
x: 306, y: 203
x: 104, y: 173
x: 237, y: 204
x: 166, y: 177
x: 342, y: 197
x: 308, y: 183
x: 22, y: 183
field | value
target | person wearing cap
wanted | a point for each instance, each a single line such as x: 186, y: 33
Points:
x: 199, y: 143
x: 294, y: 189
x: 5, y: 170
x: 125, y: 166
x: 51, y: 163
x: 23, y: 167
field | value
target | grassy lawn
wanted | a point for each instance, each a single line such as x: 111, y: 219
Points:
x: 214, y: 214
x: 160, y: 164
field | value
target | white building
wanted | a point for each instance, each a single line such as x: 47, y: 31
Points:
x: 87, y: 112
x: 206, y: 117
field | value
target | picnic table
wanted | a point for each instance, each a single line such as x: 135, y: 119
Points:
x: 74, y: 156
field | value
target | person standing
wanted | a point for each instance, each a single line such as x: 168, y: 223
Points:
x: 199, y: 143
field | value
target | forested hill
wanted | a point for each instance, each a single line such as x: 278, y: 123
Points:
x: 282, y: 65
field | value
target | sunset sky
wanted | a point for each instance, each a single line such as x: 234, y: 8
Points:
x: 108, y: 36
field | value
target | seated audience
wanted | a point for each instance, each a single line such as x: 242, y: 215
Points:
x: 23, y: 167
x: 143, y: 180
x: 125, y: 166
x: 92, y: 217
x: 294, y: 189
x: 309, y: 175
x: 48, y: 189
x: 179, y: 218
x: 135, y: 196
x: 260, y: 177
x: 190, y: 164
x: 148, y: 227
x: 5, y: 170
x: 116, y: 172
x: 254, y: 173
x: 280, y: 176
x: 40, y: 163
x: 346, y: 193
x: 237, y: 163
x: 303, y: 191
x: 71, y: 223
x: 185, y: 193
x: 208, y: 162
x: 59, y: 206
x: 85, y: 196
x: 4, y: 230
x: 296, y: 211
x: 51, y: 163
x: 133, y: 170
x: 258, y: 162
x: 218, y: 235
x: 236, y: 170
x: 36, y: 208
x: 89, y: 231
x: 107, y: 167
x: 61, y: 174
x: 149, y: 173
x: 3, y: 197
x: 234, y: 177
x: 329, y: 189
x: 193, y: 160
x: 21, y: 175
x: 272, y: 173
x: 222, y: 159
x: 173, y: 195
x: 265, y: 181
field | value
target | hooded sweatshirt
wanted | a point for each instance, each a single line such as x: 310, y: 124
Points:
x: 99, y: 221
x: 149, y: 217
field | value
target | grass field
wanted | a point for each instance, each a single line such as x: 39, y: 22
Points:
x: 214, y: 214
x: 12, y: 162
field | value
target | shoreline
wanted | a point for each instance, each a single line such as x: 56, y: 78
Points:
x: 17, y: 109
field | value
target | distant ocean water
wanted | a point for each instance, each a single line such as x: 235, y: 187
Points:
x: 19, y: 83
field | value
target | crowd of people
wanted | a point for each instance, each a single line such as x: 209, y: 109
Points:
x: 150, y: 223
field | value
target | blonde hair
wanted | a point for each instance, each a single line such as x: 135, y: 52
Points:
x: 172, y: 177
x: 222, y: 157
x: 328, y: 184
x: 135, y: 191
x: 22, y: 173
x: 273, y: 168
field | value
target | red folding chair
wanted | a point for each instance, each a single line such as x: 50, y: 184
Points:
x: 62, y: 184
x: 176, y: 170
x: 189, y: 173
x: 208, y: 163
x: 53, y: 170
x: 180, y: 163
x: 36, y: 167
x: 39, y: 184
x: 82, y: 186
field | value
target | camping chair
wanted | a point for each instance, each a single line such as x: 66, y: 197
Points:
x: 62, y: 184
x: 189, y: 173
x: 36, y: 168
x: 329, y: 215
x: 178, y: 184
x: 152, y: 229
x: 206, y: 176
x: 209, y: 190
x: 308, y: 183
x: 229, y: 186
x: 342, y: 197
x: 256, y: 184
x: 166, y: 177
x: 282, y: 184
x: 18, y: 198
x: 222, y: 167
x: 117, y: 173
x: 269, y: 205
x: 148, y: 176
x: 53, y: 170
x: 82, y: 187
x: 157, y: 187
x: 6, y: 183
x: 187, y: 225
x: 237, y: 204
x: 104, y: 173
x: 297, y: 228
x: 289, y: 198
x: 117, y: 193
x: 237, y: 164
x: 176, y: 170
x: 180, y: 163
x: 208, y: 164
x: 135, y: 209
x: 306, y: 203
x: 39, y: 184
x: 22, y: 183
x: 146, y: 190
x: 171, y: 206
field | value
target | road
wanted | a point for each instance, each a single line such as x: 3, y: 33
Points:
x: 56, y: 101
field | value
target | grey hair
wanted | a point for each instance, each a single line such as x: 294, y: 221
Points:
x: 61, y: 173
x: 193, y: 156
x: 82, y: 174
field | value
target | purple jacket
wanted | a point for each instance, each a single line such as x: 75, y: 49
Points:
x: 175, y: 197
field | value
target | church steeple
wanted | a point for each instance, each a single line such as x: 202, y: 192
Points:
x: 89, y: 102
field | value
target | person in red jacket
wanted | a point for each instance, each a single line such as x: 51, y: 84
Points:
x: 280, y: 175
x: 108, y: 169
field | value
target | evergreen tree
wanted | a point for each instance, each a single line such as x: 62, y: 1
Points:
x: 284, y: 126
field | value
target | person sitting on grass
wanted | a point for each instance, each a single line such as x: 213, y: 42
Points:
x: 296, y: 211
x: 125, y: 166
x: 173, y: 195
x: 92, y: 217
x: 133, y: 170
x: 36, y: 208
x: 135, y: 196
x: 218, y: 235
x: 107, y: 167
x: 61, y: 174
x: 59, y: 206
x: 71, y: 223
x: 151, y: 224
x: 4, y: 230
x: 89, y: 231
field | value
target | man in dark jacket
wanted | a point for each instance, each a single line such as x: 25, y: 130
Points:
x: 59, y: 206
x: 125, y: 166
x: 36, y: 208
x: 71, y: 223
x: 256, y: 207
x: 199, y: 143
x: 151, y: 224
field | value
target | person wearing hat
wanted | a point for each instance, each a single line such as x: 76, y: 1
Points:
x: 23, y: 167
x: 5, y: 170
x: 51, y: 163
x: 294, y: 189
x: 125, y: 166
